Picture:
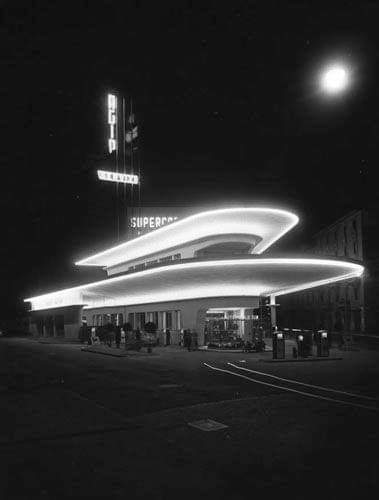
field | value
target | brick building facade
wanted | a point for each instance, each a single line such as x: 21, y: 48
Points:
x: 351, y: 305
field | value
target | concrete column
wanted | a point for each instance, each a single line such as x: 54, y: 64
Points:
x: 242, y: 323
x: 178, y: 321
x: 200, y: 324
x: 273, y: 310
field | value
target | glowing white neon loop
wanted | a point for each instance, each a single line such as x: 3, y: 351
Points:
x: 104, y: 175
x: 83, y: 293
x: 268, y: 223
x: 112, y: 121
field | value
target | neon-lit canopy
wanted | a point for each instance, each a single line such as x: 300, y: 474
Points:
x: 248, y: 276
x: 270, y: 224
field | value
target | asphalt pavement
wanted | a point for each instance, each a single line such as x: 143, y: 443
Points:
x: 79, y: 424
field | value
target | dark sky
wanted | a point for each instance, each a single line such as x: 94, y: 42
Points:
x: 226, y: 101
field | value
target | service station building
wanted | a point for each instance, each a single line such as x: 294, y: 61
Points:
x: 206, y: 272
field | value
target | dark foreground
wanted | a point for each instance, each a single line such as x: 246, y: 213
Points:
x: 82, y: 425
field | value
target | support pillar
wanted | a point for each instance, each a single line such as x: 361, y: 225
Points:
x: 273, y: 311
x: 244, y: 335
x: 178, y: 320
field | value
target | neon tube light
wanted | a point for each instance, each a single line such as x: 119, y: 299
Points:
x: 112, y: 122
x: 74, y: 294
x: 314, y: 284
x: 105, y: 175
x: 269, y: 223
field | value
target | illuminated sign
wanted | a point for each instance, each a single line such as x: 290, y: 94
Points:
x: 112, y: 121
x: 146, y: 219
x: 150, y: 222
x: 117, y: 177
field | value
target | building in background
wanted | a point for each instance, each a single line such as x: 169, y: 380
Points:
x: 350, y: 305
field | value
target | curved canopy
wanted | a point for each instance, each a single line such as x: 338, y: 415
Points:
x: 269, y: 224
x: 248, y: 276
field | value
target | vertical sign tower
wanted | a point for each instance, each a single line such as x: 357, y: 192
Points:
x: 112, y: 122
x: 128, y: 133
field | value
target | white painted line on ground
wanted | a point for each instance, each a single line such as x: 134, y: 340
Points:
x: 326, y: 389
x: 310, y: 395
x: 207, y: 425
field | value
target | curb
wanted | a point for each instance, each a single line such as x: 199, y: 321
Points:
x: 291, y: 360
x: 237, y: 351
x: 58, y: 343
x: 121, y: 354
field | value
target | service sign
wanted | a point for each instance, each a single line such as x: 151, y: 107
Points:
x: 151, y: 222
x: 112, y: 122
x: 105, y: 175
x: 145, y: 219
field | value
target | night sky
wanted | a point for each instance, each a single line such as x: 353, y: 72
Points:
x: 228, y: 107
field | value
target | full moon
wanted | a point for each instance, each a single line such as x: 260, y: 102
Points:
x: 334, y: 79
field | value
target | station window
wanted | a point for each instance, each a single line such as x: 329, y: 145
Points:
x: 151, y: 263
x: 131, y: 319
x: 97, y: 320
x: 168, y: 320
x: 177, y: 256
x: 166, y: 259
x: 106, y: 319
x: 140, y: 320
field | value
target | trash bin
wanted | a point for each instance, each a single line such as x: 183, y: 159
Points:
x: 278, y: 345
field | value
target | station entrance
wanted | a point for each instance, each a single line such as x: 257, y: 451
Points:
x: 232, y: 327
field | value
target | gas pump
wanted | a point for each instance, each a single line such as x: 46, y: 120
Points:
x: 300, y: 345
x: 322, y: 343
x: 278, y: 345
x: 257, y: 343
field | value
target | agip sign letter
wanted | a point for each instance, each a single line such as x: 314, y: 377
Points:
x: 112, y: 122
